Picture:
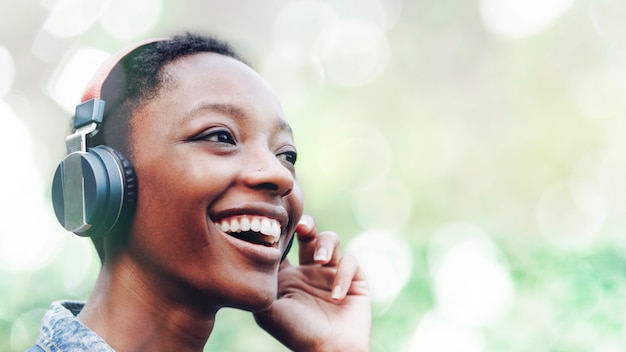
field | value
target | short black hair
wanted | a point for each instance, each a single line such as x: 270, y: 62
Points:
x: 143, y: 66
x: 137, y: 78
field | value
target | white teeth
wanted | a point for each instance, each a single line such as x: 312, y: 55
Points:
x: 275, y: 229
x: 255, y: 225
x: 266, y: 227
x: 234, y: 225
x: 270, y: 228
x: 245, y: 224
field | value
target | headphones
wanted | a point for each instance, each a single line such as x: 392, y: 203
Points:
x: 94, y: 190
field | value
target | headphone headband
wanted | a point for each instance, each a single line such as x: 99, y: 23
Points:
x: 110, y: 75
x: 94, y: 88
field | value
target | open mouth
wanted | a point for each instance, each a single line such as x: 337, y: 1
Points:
x: 251, y: 228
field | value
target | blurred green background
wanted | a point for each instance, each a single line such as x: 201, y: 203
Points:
x: 469, y: 153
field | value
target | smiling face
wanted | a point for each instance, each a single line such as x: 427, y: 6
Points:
x: 217, y: 197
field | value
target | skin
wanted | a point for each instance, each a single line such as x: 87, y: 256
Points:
x: 213, y: 144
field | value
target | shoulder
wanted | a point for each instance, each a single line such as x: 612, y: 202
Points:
x: 62, y: 331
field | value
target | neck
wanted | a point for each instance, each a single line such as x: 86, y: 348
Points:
x: 132, y: 313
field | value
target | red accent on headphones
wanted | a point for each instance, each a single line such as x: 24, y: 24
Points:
x: 95, y: 84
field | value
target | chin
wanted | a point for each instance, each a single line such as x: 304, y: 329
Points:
x: 259, y: 305
x: 251, y: 298
x: 254, y: 302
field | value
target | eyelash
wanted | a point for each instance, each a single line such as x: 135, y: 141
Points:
x: 222, y: 136
x: 289, y: 157
x: 214, y: 136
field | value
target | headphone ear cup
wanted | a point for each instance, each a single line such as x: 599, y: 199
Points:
x: 129, y: 188
x: 108, y: 186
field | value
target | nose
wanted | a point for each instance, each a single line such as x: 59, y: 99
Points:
x: 266, y: 172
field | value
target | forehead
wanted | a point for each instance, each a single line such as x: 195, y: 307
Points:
x: 218, y: 77
x: 209, y: 81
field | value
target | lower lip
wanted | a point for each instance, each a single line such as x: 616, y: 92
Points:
x: 256, y: 252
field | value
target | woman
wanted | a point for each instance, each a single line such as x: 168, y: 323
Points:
x: 216, y: 205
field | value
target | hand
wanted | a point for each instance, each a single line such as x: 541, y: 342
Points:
x: 323, y: 304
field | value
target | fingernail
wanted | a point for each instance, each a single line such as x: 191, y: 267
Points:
x: 336, y: 294
x: 321, y: 254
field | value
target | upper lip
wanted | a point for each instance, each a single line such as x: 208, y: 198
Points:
x: 277, y: 213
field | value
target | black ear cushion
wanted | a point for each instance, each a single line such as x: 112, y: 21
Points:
x: 130, y: 179
x: 117, y: 214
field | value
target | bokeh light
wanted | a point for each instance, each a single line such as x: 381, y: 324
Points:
x: 25, y: 245
x: 609, y: 345
x: 382, y: 13
x: 15, y: 133
x: 68, y: 84
x: 599, y: 95
x: 22, y: 333
x: 302, y: 28
x: 616, y: 73
x: 435, y: 333
x: 470, y: 276
x: 612, y: 173
x: 570, y: 215
x: 69, y: 18
x: 130, y: 19
x: 521, y: 18
x: 355, y: 53
x: 607, y: 17
x: 298, y: 84
x: 386, y: 260
x: 79, y: 257
x: 7, y: 71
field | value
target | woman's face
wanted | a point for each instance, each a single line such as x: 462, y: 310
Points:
x: 217, y: 198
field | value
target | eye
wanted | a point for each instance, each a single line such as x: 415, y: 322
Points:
x: 218, y: 136
x: 289, y: 157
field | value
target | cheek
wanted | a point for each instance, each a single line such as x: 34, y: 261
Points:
x: 171, y: 193
x: 180, y: 177
x: 170, y: 219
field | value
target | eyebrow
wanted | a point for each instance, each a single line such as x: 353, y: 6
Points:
x: 237, y: 112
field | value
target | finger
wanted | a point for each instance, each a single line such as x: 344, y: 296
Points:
x: 348, y: 271
x: 327, y: 249
x: 306, y: 229
x: 317, y: 248
x: 306, y: 232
